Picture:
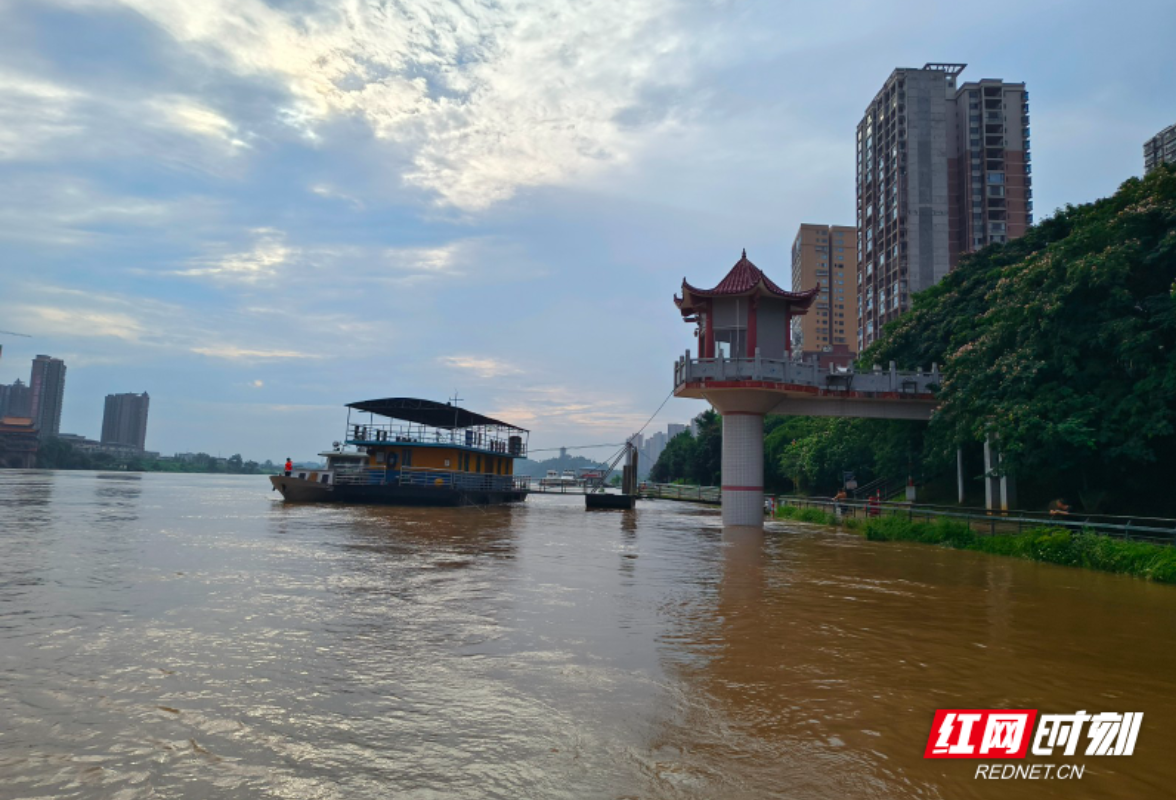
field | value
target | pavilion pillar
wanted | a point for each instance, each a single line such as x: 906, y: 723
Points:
x: 752, y: 319
x: 743, y: 468
x: 709, y: 334
x: 788, y: 334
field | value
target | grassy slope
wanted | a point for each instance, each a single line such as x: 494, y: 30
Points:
x: 1138, y: 559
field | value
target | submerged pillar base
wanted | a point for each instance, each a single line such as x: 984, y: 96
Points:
x: 743, y: 468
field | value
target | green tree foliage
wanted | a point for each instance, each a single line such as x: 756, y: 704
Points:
x: 691, y: 459
x: 811, y: 454
x: 1063, y: 344
x: 55, y: 453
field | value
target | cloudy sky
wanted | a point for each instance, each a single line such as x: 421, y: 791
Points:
x: 258, y: 211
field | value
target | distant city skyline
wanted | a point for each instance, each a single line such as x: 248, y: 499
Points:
x: 261, y: 211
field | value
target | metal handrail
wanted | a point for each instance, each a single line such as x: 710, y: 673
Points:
x: 428, y: 477
x: 677, y: 491
x: 381, y: 433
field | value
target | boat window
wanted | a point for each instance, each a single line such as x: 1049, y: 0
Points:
x: 407, y: 458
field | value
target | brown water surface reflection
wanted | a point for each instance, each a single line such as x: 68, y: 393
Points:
x: 188, y: 637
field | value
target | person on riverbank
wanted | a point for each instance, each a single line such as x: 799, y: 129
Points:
x: 289, y: 467
x: 1059, y: 508
x: 839, y: 502
x: 875, y: 504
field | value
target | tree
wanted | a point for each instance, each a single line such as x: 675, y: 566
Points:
x: 1062, y: 344
x: 697, y: 460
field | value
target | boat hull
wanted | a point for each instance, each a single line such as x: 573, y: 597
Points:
x: 604, y: 500
x: 299, y: 490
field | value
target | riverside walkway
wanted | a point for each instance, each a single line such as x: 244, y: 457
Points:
x: 1158, y: 530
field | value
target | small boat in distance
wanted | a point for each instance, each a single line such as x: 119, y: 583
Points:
x: 555, y: 479
x: 420, y: 452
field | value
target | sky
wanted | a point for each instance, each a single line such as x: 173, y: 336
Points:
x: 260, y: 211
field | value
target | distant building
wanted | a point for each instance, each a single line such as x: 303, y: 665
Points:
x: 47, y: 386
x: 655, y: 445
x: 15, y: 400
x: 18, y: 442
x: 673, y: 429
x: 942, y: 171
x: 826, y: 255
x: 125, y: 420
x: 1160, y: 149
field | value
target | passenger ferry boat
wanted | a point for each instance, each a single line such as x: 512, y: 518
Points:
x: 420, y: 452
x: 555, y: 479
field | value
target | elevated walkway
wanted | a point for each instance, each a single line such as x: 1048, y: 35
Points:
x: 799, y: 388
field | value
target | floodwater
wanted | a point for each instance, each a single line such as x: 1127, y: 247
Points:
x: 189, y: 636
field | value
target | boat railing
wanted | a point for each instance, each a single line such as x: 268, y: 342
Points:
x: 463, y: 481
x: 360, y: 475
x: 491, y: 440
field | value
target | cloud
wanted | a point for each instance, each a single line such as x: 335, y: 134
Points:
x: 482, y: 97
x: 568, y: 408
x: 191, y: 117
x: 257, y: 384
x: 234, y: 353
x: 268, y: 253
x: 323, y: 190
x: 445, y: 259
x: 482, y: 367
x: 33, y: 113
x: 75, y: 322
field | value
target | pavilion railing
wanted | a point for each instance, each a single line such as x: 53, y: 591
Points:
x: 832, y: 380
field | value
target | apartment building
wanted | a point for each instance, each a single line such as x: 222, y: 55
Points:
x: 826, y: 254
x: 943, y: 169
x: 1160, y: 149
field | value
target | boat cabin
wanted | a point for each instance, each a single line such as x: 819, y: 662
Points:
x: 424, y: 441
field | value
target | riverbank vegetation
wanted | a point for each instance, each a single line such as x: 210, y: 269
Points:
x: 1051, y: 545
x: 1061, y: 344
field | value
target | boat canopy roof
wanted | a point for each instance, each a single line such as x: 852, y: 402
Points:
x: 429, y: 412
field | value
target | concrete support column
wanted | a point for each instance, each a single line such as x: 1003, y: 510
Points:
x: 1000, y: 491
x: 743, y: 468
x: 960, y: 473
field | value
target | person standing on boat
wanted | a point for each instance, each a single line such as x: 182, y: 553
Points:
x: 289, y: 467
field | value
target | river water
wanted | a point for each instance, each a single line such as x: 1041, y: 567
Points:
x: 190, y: 636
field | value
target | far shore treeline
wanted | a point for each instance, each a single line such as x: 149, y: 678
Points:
x: 57, y: 453
x: 1061, y: 343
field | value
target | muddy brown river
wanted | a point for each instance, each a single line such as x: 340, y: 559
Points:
x: 190, y: 636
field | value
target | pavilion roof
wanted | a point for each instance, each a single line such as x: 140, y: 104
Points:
x: 744, y: 280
